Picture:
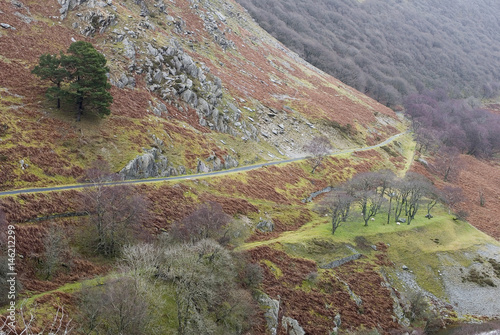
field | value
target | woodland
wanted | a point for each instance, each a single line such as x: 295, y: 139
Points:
x: 389, y: 49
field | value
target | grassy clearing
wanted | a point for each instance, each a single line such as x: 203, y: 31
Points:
x: 415, y: 245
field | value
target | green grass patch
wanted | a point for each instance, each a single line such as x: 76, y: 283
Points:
x: 274, y: 268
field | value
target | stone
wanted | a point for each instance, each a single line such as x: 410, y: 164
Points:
x: 190, y: 97
x: 128, y: 48
x: 202, y: 168
x: 150, y: 164
x: 374, y: 247
x: 265, y: 226
x: 5, y: 25
x: 292, y: 326
x: 337, y: 320
x: 271, y: 308
x: 341, y: 261
x: 402, y: 220
x: 404, y: 267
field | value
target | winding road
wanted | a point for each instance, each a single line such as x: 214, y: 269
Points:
x: 192, y: 176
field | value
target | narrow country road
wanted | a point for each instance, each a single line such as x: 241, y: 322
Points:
x: 192, y: 176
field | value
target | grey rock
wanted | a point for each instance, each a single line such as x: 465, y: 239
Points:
x: 315, y: 194
x: 128, y: 48
x: 292, y: 326
x: 202, y: 167
x: 402, y: 220
x: 150, y: 164
x: 25, y: 18
x: 404, y: 267
x: 5, y: 25
x: 265, y: 226
x: 230, y: 162
x: 423, y: 161
x: 271, y: 309
x: 341, y: 261
x: 337, y: 320
x: 353, y: 295
x: 152, y: 50
x: 203, y: 107
x: 374, y: 247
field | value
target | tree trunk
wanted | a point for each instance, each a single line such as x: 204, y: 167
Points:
x: 80, y: 110
x: 58, y: 97
x: 389, y: 212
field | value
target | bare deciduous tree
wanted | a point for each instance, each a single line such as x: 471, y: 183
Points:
x: 116, y: 307
x: 204, y: 277
x: 337, y: 205
x: 25, y: 324
x: 448, y: 163
x: 363, y: 188
x: 113, y: 212
x: 55, y: 250
x: 419, y: 187
x: 452, y: 196
x: 207, y: 221
x: 319, y: 147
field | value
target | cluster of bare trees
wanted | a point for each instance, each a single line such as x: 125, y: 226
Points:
x: 452, y: 126
x: 373, y: 193
x: 190, y: 266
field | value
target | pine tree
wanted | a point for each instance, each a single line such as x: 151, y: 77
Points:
x: 89, y: 85
x: 79, y: 76
x: 49, y: 68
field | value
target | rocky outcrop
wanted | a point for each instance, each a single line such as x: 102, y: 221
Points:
x: 150, y: 164
x: 174, y: 75
x: 92, y: 16
x: 271, y: 309
x: 214, y: 163
x: 153, y: 163
x: 291, y: 326
x: 265, y: 226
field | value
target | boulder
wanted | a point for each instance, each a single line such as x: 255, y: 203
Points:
x: 292, y: 326
x: 150, y: 164
x: 202, y: 167
x: 337, y: 320
x: 265, y: 226
x: 271, y: 309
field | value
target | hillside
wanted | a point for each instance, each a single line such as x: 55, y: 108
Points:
x: 198, y: 86
x: 388, y: 49
x: 202, y: 72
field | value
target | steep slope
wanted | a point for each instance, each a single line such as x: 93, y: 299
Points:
x: 193, y: 82
x: 197, y: 86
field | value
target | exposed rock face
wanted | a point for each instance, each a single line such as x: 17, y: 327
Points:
x: 151, y: 164
x: 93, y: 16
x: 292, y: 326
x: 173, y: 74
x: 214, y: 163
x: 154, y: 164
x: 271, y: 308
